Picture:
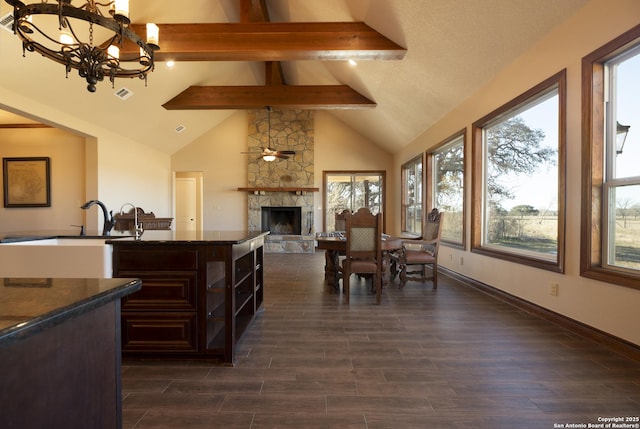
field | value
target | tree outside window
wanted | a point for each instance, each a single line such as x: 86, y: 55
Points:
x: 518, y: 181
x: 352, y: 190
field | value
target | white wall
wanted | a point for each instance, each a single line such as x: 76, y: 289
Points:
x: 115, y: 170
x: 66, y: 153
x: 338, y: 147
x: 604, y: 306
x: 217, y: 155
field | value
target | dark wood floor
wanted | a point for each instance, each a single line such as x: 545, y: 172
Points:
x: 451, y: 358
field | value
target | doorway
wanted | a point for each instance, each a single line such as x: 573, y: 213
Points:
x: 188, y: 201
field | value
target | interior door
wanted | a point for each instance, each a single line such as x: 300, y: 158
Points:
x: 185, y: 204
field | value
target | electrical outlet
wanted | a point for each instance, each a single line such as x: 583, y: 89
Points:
x: 461, y: 260
x: 554, y: 290
x: 450, y: 256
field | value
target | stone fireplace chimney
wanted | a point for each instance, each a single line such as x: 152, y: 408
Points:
x: 290, y: 130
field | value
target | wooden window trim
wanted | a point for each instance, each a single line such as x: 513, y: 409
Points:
x: 381, y: 173
x: 559, y: 79
x: 593, y: 158
x: 403, y: 213
x: 430, y: 183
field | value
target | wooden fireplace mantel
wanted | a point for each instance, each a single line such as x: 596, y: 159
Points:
x: 278, y: 189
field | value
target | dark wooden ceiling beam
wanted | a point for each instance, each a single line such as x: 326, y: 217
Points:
x: 253, y: 97
x: 270, y: 41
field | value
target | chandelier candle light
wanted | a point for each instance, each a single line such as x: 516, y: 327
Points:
x: 76, y: 50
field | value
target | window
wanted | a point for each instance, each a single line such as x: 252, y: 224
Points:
x: 446, y: 183
x: 412, y: 196
x: 352, y: 190
x: 518, y: 180
x: 610, y: 233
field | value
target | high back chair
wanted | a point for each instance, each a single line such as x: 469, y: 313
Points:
x: 415, y: 256
x: 341, y: 220
x: 364, y: 250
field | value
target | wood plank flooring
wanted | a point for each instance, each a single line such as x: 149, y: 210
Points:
x: 451, y: 358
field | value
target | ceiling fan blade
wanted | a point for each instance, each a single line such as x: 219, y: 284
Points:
x: 287, y: 152
x: 281, y: 156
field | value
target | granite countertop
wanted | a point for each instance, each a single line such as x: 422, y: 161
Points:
x: 195, y: 237
x: 31, y: 305
x: 151, y: 236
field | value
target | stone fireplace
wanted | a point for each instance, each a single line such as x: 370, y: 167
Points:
x: 278, y: 197
x: 282, y: 220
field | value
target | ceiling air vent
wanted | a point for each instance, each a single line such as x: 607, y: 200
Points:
x: 6, y: 22
x: 180, y: 128
x: 123, y: 93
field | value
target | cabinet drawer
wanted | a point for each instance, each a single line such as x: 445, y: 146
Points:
x: 159, y: 332
x: 163, y: 290
x: 156, y: 259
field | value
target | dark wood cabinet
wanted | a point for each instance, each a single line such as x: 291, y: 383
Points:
x: 196, y: 300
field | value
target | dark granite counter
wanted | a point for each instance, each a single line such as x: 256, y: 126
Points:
x: 194, y: 237
x: 31, y: 305
x: 60, y: 352
x: 221, y: 237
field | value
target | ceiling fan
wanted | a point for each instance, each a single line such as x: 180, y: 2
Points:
x: 268, y: 153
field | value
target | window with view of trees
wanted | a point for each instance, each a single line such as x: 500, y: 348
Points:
x: 518, y: 181
x: 446, y: 183
x: 412, y: 178
x: 352, y: 190
x: 610, y: 248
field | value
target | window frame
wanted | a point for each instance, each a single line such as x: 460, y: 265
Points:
x: 431, y: 182
x: 380, y: 173
x: 593, y: 227
x: 478, y: 182
x: 404, y: 206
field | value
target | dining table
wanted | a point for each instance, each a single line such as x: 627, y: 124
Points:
x: 335, y: 245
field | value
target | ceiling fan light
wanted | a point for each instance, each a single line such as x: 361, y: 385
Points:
x: 269, y: 158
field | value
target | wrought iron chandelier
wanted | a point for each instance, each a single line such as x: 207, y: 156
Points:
x: 76, y: 50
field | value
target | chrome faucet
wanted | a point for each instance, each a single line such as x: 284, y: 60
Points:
x: 137, y: 227
x: 109, y: 221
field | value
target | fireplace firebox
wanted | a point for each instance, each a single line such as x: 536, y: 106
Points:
x: 282, y: 220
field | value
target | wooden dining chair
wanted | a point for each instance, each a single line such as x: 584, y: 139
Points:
x: 341, y: 219
x: 364, y: 250
x: 418, y: 259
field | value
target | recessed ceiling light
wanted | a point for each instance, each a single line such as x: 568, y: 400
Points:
x: 353, y: 63
x: 171, y: 63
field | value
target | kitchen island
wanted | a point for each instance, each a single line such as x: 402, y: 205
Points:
x: 200, y: 291
x: 60, y: 352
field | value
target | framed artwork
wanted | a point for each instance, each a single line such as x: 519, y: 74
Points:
x: 26, y: 182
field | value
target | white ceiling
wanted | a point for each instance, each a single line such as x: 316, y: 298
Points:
x: 453, y: 48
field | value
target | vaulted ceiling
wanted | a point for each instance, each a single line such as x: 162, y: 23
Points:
x: 416, y: 61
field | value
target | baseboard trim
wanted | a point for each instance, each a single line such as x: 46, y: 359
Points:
x: 613, y: 343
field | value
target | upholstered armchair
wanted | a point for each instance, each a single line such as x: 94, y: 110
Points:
x: 418, y: 259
